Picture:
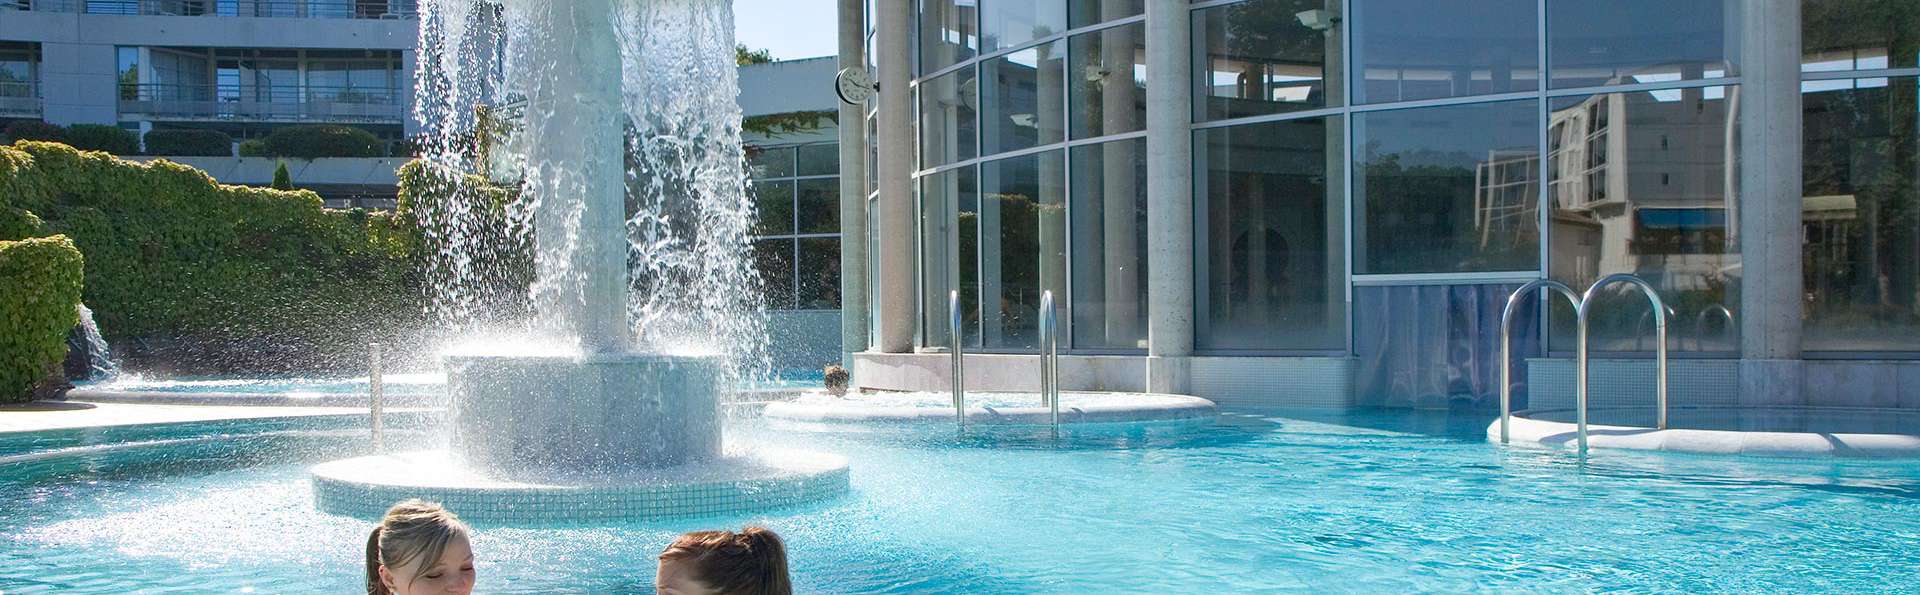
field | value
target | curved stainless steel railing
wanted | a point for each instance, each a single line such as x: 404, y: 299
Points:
x: 1506, y: 341
x: 959, y: 362
x: 1050, y: 358
x: 1660, y: 335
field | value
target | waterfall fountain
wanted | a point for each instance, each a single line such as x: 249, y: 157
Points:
x: 607, y: 404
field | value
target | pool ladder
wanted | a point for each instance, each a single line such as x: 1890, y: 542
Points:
x: 1582, y: 306
x: 1050, y: 358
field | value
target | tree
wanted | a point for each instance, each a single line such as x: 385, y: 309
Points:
x: 743, y: 56
x: 282, y: 180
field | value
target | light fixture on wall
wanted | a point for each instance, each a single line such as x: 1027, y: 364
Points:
x: 1317, y: 19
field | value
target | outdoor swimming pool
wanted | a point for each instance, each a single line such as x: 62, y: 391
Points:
x: 1336, y: 502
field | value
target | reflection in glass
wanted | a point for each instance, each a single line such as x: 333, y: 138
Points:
x: 948, y: 131
x: 1419, y: 49
x: 949, y: 33
x: 1859, y: 35
x: 1023, y: 239
x: 1862, y: 215
x: 770, y: 163
x: 1011, y: 23
x: 819, y: 205
x: 1081, y: 13
x: 1641, y: 183
x: 819, y: 159
x: 1020, y: 99
x: 950, y: 253
x: 1272, y: 272
x: 1109, y: 81
x: 819, y: 282
x: 773, y: 202
x: 1260, y: 59
x: 1447, y: 189
x: 773, y: 259
x: 1109, y: 211
x: 1640, y: 41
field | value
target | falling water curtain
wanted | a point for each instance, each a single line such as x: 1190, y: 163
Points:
x: 1438, y: 346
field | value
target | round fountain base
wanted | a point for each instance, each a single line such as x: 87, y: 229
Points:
x: 365, y: 487
x: 995, y: 408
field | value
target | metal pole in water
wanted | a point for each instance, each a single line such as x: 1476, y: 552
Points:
x: 1050, y: 359
x: 375, y: 391
x: 959, y: 362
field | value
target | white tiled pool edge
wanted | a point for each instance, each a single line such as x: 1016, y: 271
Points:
x: 1527, y: 430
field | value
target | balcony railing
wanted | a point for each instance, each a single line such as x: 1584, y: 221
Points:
x: 291, y: 103
x: 309, y: 9
x: 19, y: 99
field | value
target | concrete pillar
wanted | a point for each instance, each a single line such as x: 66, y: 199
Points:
x: 853, y: 189
x: 79, y: 83
x: 1169, y: 196
x: 892, y: 23
x: 1770, y: 204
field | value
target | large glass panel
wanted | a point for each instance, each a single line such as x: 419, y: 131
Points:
x: 1011, y: 23
x: 1420, y: 49
x: 1272, y: 271
x: 948, y: 131
x: 773, y: 202
x: 17, y: 69
x: 949, y: 33
x: 1020, y: 99
x: 949, y: 253
x: 1859, y: 34
x: 1862, y: 214
x: 774, y: 260
x: 1260, y: 58
x: 819, y: 205
x: 1642, y: 183
x: 819, y: 159
x: 776, y: 162
x: 1640, y: 41
x: 1081, y: 13
x: 1109, y: 210
x: 1109, y: 86
x: 1022, y: 244
x: 1447, y: 189
x: 819, y: 273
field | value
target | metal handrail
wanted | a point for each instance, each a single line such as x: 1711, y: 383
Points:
x: 959, y: 362
x: 1050, y: 358
x: 1506, y: 342
x: 1660, y: 334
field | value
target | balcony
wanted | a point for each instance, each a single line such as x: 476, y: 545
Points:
x: 299, y: 9
x: 263, y: 104
x: 19, y: 99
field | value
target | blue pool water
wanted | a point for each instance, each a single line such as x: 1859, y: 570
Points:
x: 1349, y: 502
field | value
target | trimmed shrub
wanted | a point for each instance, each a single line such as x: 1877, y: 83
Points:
x: 39, y: 307
x: 36, y: 130
x: 213, y: 278
x: 253, y: 148
x: 190, y: 143
x: 100, y: 137
x: 322, y: 140
x: 282, y: 179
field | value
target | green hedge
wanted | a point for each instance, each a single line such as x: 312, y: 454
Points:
x: 99, y: 137
x: 217, y: 278
x: 496, y: 278
x: 39, y: 307
x: 317, y: 141
x: 190, y: 143
x: 35, y: 130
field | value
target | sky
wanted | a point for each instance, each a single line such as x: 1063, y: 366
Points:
x: 789, y: 28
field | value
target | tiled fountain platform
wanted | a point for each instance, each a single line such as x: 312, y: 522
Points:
x: 365, y: 487
x: 994, y: 408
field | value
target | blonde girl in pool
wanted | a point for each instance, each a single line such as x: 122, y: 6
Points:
x: 419, y: 548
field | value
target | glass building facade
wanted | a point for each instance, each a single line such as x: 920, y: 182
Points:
x: 1372, y: 178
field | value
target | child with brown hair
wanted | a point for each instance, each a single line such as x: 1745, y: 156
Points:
x: 750, y: 562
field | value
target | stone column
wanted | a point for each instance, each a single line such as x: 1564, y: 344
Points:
x: 1169, y: 197
x: 853, y: 189
x: 577, y: 166
x: 892, y: 23
x: 1770, y: 204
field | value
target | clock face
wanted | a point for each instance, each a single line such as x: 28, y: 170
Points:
x: 854, y: 85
